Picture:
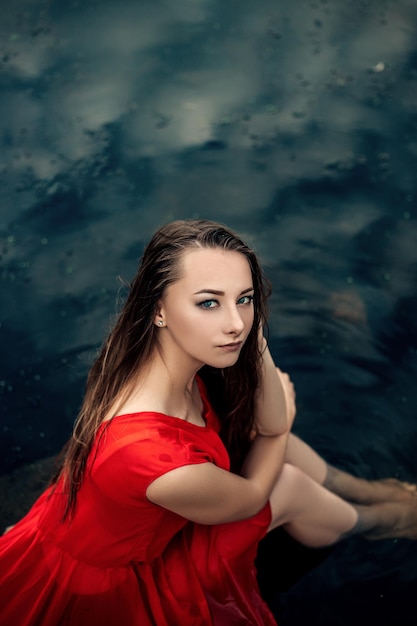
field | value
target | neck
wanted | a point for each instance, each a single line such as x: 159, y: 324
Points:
x: 173, y: 370
x: 167, y: 386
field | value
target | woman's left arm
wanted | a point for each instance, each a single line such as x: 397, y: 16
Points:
x: 275, y: 401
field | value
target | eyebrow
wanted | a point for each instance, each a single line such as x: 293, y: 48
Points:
x: 216, y: 292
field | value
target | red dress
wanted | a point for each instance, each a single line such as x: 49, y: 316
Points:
x: 123, y: 561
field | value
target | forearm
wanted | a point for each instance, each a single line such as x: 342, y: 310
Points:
x: 274, y: 405
x: 207, y: 494
x: 264, y: 462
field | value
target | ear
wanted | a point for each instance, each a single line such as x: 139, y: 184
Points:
x: 159, y: 319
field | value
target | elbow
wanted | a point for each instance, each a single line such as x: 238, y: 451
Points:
x: 263, y: 500
x: 260, y: 498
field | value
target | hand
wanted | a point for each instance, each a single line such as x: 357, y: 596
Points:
x: 289, y: 394
x: 262, y: 343
x: 275, y: 403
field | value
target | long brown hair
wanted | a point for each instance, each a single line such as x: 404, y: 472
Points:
x: 130, y: 345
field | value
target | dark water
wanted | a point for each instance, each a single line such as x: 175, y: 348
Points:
x: 294, y: 123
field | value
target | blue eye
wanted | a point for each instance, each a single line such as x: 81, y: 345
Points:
x: 208, y: 304
x: 245, y: 300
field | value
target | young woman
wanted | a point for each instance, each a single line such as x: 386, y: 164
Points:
x: 147, y: 523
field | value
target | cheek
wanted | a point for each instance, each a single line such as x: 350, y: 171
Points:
x: 187, y: 322
x: 249, y: 317
x: 201, y: 328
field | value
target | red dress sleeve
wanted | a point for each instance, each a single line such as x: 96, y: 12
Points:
x: 150, y: 450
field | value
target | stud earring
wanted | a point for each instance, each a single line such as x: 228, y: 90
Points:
x: 160, y: 323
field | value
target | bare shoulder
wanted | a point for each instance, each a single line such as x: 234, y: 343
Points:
x: 140, y: 400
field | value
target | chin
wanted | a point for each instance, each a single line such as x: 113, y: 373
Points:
x: 229, y: 362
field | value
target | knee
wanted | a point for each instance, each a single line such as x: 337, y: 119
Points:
x: 291, y: 475
x: 290, y: 481
x: 288, y: 495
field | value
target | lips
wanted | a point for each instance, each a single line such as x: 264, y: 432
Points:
x: 231, y: 346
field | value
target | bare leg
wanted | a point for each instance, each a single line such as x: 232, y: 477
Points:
x: 364, y: 491
x: 309, y: 512
x: 345, y: 485
x: 317, y: 517
x: 387, y: 520
x: 300, y: 454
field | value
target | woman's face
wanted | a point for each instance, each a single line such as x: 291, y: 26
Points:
x: 208, y: 313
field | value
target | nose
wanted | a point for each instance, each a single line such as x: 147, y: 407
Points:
x: 234, y: 323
